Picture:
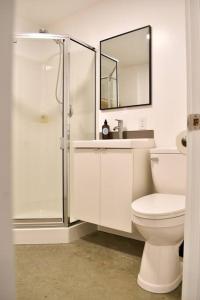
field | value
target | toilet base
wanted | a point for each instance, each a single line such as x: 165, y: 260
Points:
x: 161, y: 269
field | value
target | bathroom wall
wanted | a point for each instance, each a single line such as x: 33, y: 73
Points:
x: 22, y: 25
x: 167, y: 115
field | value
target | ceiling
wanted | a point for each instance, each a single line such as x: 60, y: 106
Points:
x: 46, y: 12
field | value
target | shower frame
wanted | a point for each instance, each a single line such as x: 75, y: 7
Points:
x: 65, y: 138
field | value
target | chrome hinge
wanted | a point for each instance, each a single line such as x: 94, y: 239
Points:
x: 193, y: 122
x: 62, y: 145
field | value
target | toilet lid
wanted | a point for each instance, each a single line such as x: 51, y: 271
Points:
x: 159, y: 206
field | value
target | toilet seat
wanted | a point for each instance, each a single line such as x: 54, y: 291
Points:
x: 159, y: 206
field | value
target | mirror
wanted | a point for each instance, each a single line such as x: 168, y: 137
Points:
x: 125, y: 69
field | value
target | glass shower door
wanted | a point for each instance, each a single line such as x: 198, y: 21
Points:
x: 82, y: 104
x: 36, y: 130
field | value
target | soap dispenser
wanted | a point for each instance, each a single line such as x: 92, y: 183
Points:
x: 105, y: 130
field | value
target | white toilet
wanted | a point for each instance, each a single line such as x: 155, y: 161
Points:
x: 159, y: 218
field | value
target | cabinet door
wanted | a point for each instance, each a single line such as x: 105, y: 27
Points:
x: 86, y: 185
x: 116, y: 188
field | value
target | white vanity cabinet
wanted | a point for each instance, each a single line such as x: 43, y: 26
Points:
x: 106, y: 181
x: 116, y: 186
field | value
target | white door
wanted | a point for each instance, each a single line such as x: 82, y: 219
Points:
x: 191, y: 270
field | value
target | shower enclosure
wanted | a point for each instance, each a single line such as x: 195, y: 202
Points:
x: 53, y: 105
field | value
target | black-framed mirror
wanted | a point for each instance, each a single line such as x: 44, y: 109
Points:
x: 125, y: 69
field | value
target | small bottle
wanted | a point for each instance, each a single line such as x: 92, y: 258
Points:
x: 105, y: 130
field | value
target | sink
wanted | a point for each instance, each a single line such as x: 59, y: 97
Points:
x: 115, y: 143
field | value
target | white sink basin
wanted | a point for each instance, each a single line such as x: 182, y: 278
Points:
x: 118, y: 143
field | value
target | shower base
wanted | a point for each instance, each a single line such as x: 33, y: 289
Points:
x: 39, y: 214
x: 52, y: 235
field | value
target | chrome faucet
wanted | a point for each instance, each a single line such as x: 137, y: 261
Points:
x: 119, y: 127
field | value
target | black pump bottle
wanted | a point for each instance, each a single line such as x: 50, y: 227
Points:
x: 105, y: 130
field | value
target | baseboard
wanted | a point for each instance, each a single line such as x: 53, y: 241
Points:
x: 57, y: 235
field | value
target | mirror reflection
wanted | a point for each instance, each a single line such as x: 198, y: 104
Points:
x: 126, y: 69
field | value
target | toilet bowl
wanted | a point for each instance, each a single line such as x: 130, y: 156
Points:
x: 159, y: 218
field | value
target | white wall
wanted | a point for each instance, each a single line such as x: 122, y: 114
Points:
x: 167, y: 115
x: 22, y: 25
x: 6, y: 252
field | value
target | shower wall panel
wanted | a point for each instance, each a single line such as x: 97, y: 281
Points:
x: 37, y: 128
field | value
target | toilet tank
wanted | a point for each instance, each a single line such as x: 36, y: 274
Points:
x: 168, y: 168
